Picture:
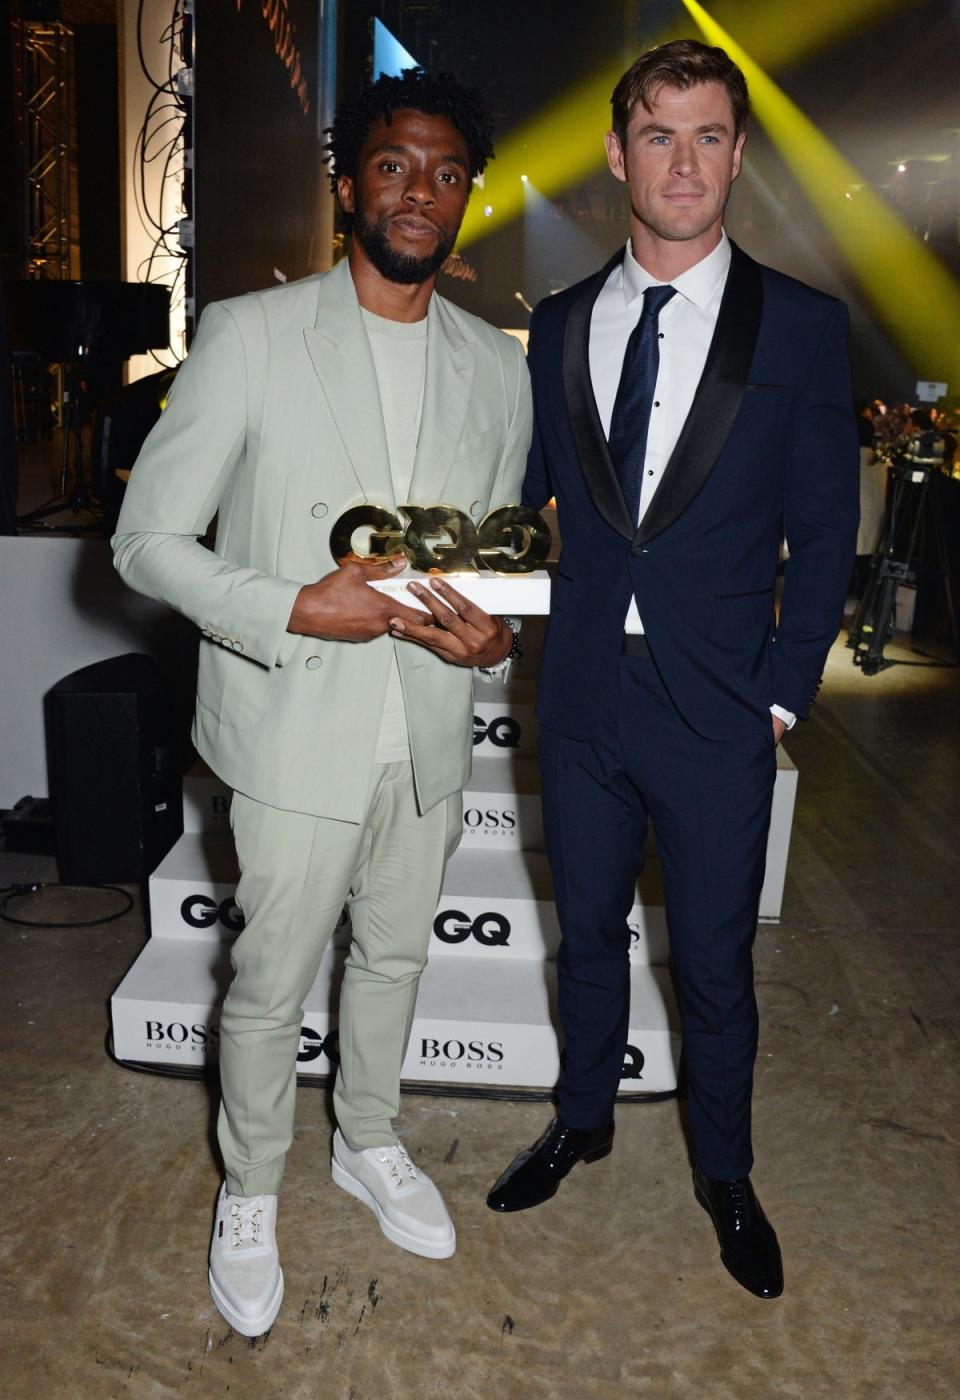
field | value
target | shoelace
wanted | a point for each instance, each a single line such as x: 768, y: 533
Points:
x: 400, y: 1166
x: 247, y: 1221
x: 741, y: 1210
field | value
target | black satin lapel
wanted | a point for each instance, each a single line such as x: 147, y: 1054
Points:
x: 717, y: 400
x: 598, y: 470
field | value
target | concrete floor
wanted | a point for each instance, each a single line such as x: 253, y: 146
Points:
x: 612, y: 1289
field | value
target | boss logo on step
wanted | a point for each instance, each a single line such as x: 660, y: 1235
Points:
x: 492, y: 930
x: 176, y: 1035
x: 461, y: 1054
x: 200, y: 911
x: 313, y: 1045
x: 633, y: 1062
x: 494, y: 821
x: 503, y: 732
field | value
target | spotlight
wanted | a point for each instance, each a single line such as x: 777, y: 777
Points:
x: 487, y: 210
x: 902, y: 168
x: 525, y: 179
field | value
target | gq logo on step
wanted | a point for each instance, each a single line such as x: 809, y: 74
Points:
x: 633, y: 1062
x: 452, y: 926
x: 200, y: 911
x: 503, y: 732
x: 461, y: 1054
x: 313, y: 1045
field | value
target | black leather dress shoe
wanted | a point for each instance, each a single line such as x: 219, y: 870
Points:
x: 748, y: 1243
x: 536, y: 1174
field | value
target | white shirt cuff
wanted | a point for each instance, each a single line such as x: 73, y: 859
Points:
x: 787, y: 716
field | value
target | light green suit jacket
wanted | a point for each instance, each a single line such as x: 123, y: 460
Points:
x: 274, y: 426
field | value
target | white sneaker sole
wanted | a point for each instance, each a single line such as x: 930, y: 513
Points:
x: 247, y: 1326
x: 413, y: 1243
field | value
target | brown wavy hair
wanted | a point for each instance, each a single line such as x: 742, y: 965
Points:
x: 680, y: 64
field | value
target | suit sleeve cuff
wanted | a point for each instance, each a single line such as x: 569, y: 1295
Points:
x: 788, y: 717
x: 288, y: 645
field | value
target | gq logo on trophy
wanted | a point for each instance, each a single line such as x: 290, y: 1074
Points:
x: 497, y: 564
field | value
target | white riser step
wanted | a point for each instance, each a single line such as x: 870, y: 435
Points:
x: 504, y: 732
x: 504, y: 722
x: 501, y: 804
x: 492, y: 896
x: 494, y: 903
x: 494, y: 1027
x: 498, y: 819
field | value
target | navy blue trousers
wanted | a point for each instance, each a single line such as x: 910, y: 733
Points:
x: 710, y: 805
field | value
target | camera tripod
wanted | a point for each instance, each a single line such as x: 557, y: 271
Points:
x: 89, y: 328
x: 895, y: 560
x: 71, y: 457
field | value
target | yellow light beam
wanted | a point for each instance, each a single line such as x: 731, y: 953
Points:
x: 558, y: 147
x: 786, y: 33
x: 914, y: 295
x: 564, y: 143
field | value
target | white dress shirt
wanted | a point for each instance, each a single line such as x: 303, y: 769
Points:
x: 687, y: 323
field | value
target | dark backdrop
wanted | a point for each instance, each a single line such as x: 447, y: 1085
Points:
x: 257, y: 150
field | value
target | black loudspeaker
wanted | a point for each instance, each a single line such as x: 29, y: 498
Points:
x: 115, y: 776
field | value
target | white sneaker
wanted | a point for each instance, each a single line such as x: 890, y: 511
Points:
x: 246, y: 1281
x: 408, y: 1206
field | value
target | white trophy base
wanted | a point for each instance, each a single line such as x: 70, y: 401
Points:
x: 511, y: 595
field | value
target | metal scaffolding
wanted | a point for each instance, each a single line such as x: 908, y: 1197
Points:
x: 42, y: 53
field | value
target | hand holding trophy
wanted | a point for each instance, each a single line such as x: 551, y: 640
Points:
x: 464, y: 628
x: 342, y: 607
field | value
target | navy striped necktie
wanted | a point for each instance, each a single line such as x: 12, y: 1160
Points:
x: 631, y: 410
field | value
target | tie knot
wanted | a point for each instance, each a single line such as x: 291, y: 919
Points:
x: 655, y: 299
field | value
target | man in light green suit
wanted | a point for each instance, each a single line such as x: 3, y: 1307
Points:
x: 342, y: 723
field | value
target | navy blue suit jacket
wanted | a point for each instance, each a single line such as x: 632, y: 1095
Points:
x: 769, y: 446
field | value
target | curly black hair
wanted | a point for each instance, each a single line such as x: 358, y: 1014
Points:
x: 437, y: 95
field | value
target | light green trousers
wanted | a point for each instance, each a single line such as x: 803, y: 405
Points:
x: 296, y: 874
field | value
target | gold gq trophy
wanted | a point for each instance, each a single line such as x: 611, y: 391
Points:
x: 496, y: 564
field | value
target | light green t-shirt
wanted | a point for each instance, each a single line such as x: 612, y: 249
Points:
x: 399, y: 351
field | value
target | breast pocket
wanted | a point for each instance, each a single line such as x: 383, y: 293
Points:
x: 480, y: 444
x: 765, y: 399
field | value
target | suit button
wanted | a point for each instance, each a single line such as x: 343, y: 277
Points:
x: 313, y: 663
x: 476, y: 508
x: 319, y: 510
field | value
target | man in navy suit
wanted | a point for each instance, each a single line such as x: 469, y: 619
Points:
x: 692, y: 407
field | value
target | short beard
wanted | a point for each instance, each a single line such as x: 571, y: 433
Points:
x: 394, y: 266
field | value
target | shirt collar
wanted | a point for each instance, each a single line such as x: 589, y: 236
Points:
x: 698, y: 284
